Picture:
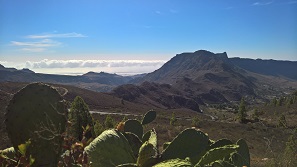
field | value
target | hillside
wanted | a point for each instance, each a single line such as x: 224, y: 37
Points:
x: 101, y: 82
x: 286, y: 69
x: 265, y: 139
x: 159, y: 95
x: 215, y: 78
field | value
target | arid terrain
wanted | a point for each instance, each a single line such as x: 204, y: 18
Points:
x: 200, y: 89
x: 264, y: 137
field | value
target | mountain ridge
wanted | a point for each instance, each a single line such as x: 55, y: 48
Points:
x: 202, y: 74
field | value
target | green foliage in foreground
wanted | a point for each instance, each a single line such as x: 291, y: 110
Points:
x: 189, y: 148
x: 37, y: 113
x: 127, y: 145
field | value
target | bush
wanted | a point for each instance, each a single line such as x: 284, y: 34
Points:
x: 80, y: 118
x: 173, y: 119
x: 242, y: 111
x: 98, y: 128
x: 195, y: 122
x: 109, y: 122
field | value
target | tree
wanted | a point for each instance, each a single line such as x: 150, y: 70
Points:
x: 242, y: 111
x: 80, y: 119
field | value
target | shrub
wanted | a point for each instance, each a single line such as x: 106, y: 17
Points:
x: 98, y: 128
x: 242, y: 111
x: 173, y: 119
x: 109, y: 122
x: 195, y: 122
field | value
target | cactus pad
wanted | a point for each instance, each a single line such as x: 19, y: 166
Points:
x: 146, y: 151
x: 189, y: 143
x: 146, y: 136
x: 243, y: 151
x: 134, y: 142
x: 220, y: 143
x: 37, y: 112
x: 149, y: 117
x: 110, y: 148
x: 217, y: 154
x: 135, y: 127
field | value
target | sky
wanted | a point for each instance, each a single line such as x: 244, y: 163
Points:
x: 139, y: 36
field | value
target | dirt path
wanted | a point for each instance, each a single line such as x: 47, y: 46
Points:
x: 112, y: 113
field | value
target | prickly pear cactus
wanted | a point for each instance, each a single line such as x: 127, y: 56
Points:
x: 220, y: 143
x: 134, y: 142
x: 149, y: 117
x: 37, y: 112
x: 174, y: 163
x: 111, y: 148
x: 146, y: 136
x: 134, y: 126
x: 165, y: 145
x: 217, y: 154
x: 146, y: 151
x: 189, y: 143
x: 243, y: 156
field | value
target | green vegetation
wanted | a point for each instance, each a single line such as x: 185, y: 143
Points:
x: 79, y: 117
x: 109, y: 122
x: 242, y: 111
x: 134, y: 141
x: 37, y: 113
x: 195, y: 122
x: 282, y: 121
x: 173, y: 119
x: 98, y: 128
x: 127, y: 145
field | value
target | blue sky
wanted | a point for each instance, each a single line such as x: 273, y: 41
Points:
x: 134, y: 36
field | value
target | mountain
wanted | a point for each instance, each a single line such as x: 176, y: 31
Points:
x: 102, y: 81
x: 215, y: 78
x: 287, y: 69
x: 203, y: 74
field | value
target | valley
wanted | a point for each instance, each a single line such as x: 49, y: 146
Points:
x: 200, y: 89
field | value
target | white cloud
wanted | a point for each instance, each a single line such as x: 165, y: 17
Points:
x: 92, y: 63
x: 39, y: 44
x: 3, y: 62
x: 33, y: 49
x: 65, y: 35
x: 262, y: 3
x: 36, y: 46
